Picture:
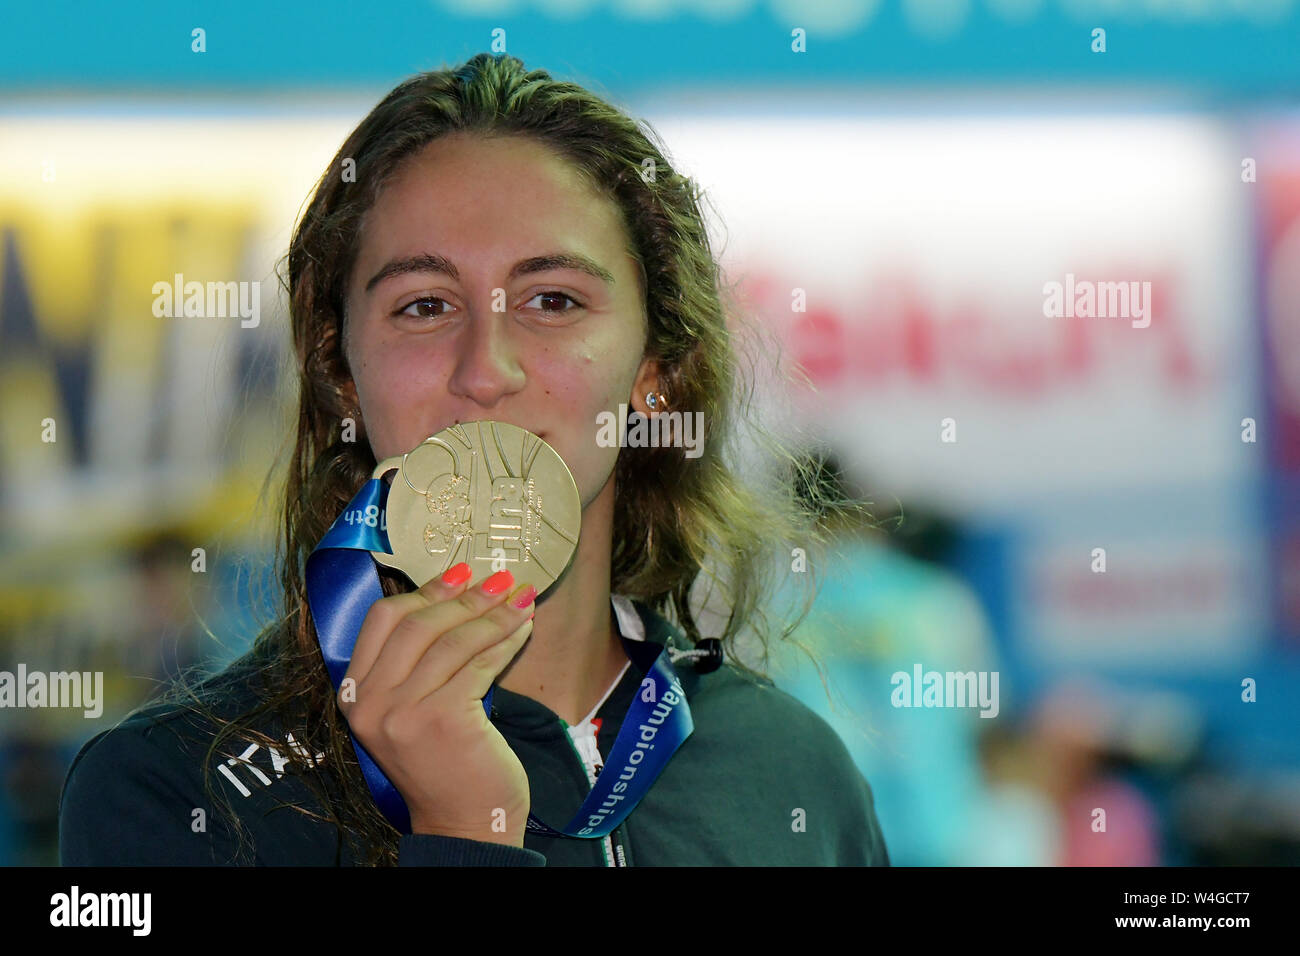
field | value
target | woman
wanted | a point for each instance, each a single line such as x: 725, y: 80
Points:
x: 490, y: 243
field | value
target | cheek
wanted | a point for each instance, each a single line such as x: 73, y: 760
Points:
x: 593, y: 384
x: 392, y: 389
x: 577, y: 386
x: 589, y: 377
x: 579, y: 400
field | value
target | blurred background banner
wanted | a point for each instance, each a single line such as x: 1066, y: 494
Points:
x: 1101, y: 510
x: 1238, y: 46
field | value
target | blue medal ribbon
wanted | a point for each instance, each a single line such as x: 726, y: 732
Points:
x: 342, y: 584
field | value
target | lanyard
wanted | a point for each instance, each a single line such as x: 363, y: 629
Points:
x: 342, y: 584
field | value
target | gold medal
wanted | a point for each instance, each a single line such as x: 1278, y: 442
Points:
x: 490, y: 494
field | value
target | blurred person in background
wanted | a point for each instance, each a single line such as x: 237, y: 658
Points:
x: 1105, y: 819
x: 167, y: 639
x: 1013, y: 822
x: 155, y: 608
x: 883, y: 605
x: 31, y: 772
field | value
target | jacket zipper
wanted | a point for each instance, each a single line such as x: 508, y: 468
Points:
x: 606, y: 843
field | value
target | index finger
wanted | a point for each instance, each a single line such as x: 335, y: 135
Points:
x: 386, y: 612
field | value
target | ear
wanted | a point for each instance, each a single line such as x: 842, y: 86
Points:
x: 647, y: 380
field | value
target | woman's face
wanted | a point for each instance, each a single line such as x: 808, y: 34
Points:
x: 461, y: 257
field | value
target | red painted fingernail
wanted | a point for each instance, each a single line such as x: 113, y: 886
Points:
x: 498, y: 582
x: 457, y: 574
x: 525, y: 597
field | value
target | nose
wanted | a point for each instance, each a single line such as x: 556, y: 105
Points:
x: 487, y: 367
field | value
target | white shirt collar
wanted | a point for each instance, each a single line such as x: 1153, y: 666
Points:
x: 629, y: 621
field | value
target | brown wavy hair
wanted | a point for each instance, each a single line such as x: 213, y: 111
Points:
x: 678, y: 521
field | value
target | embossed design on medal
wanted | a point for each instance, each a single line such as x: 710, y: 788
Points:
x: 484, y: 484
x: 447, y: 498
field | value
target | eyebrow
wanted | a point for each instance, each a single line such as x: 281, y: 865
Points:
x: 442, y: 265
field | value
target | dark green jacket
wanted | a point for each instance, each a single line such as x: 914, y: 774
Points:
x: 762, y: 781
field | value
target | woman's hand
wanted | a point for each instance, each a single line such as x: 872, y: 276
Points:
x: 422, y: 664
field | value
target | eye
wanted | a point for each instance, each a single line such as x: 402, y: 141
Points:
x: 557, y: 297
x: 425, y: 307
